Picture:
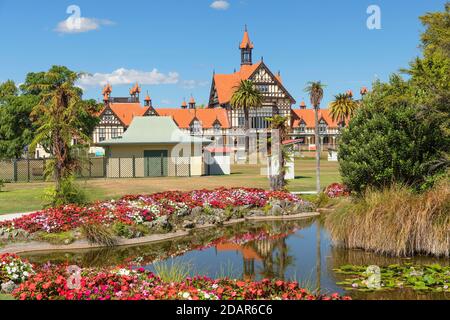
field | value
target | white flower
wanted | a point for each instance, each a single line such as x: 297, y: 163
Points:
x: 186, y: 295
x: 123, y: 272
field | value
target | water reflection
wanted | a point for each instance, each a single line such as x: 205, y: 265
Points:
x: 293, y: 250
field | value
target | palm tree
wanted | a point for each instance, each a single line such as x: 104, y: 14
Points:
x: 343, y: 107
x: 315, y: 90
x: 280, y: 123
x: 246, y: 97
x: 58, y: 116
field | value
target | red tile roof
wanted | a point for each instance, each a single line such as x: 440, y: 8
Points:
x: 207, y: 117
x: 226, y: 83
x: 127, y: 111
x: 183, y: 117
x: 307, y: 115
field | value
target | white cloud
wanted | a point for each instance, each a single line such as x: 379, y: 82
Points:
x: 220, y: 5
x: 80, y: 25
x: 128, y: 76
x: 191, y: 84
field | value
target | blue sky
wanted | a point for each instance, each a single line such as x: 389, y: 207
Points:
x: 174, y: 45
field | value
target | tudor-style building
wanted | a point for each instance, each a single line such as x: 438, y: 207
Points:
x: 119, y: 112
x: 303, y: 128
x: 276, y: 98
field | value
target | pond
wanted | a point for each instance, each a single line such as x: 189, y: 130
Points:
x: 293, y: 250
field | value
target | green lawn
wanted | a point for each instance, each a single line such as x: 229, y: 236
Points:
x: 5, y: 297
x: 25, y: 197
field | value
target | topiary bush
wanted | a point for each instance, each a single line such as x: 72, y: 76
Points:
x: 391, y: 139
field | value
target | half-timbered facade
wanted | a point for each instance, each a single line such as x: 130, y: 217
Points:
x: 303, y: 128
x: 276, y: 98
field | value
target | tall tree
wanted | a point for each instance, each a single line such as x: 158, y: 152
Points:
x: 16, y: 129
x: 58, y: 118
x: 315, y: 91
x: 246, y: 97
x: 8, y: 88
x: 342, y: 107
x: 436, y: 37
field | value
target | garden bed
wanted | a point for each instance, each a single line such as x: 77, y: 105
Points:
x: 56, y: 282
x: 146, y: 218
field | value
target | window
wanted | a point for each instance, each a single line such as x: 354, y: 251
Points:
x: 196, y: 127
x: 260, y: 122
x: 241, y: 121
x: 322, y: 127
x: 114, y: 133
x: 217, y: 127
x: 108, y: 117
x: 101, y: 134
x: 263, y: 88
x: 302, y: 128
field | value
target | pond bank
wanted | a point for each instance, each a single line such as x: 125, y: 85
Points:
x: 155, y: 238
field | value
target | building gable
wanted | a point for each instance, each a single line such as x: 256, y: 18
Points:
x: 268, y: 84
x: 109, y: 118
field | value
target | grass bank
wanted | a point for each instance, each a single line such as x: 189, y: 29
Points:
x: 26, y: 197
x: 395, y: 222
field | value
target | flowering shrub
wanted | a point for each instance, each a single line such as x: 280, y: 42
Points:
x: 135, y: 210
x: 12, y: 268
x: 337, y: 190
x: 126, y: 284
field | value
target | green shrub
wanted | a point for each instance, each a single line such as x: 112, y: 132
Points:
x: 63, y: 238
x: 99, y: 234
x: 1, y: 185
x: 390, y: 140
x: 70, y: 193
x: 129, y: 232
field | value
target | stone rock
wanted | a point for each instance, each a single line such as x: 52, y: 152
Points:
x: 188, y: 224
x: 218, y: 212
x: 8, y: 287
x: 184, y: 212
x: 200, y: 221
x: 276, y: 210
x: 256, y: 213
x: 196, y: 211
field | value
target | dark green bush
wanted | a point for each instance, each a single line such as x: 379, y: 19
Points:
x: 391, y: 139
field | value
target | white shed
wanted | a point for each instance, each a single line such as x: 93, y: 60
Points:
x: 217, y: 161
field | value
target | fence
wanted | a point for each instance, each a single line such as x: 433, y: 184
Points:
x: 28, y: 170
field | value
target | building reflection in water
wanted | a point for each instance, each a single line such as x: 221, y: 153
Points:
x: 272, y: 255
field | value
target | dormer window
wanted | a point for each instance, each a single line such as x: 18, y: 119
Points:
x: 323, y: 126
x: 196, y: 127
x: 217, y: 127
x: 302, y: 127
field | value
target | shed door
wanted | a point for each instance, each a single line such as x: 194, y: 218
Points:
x: 156, y: 163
